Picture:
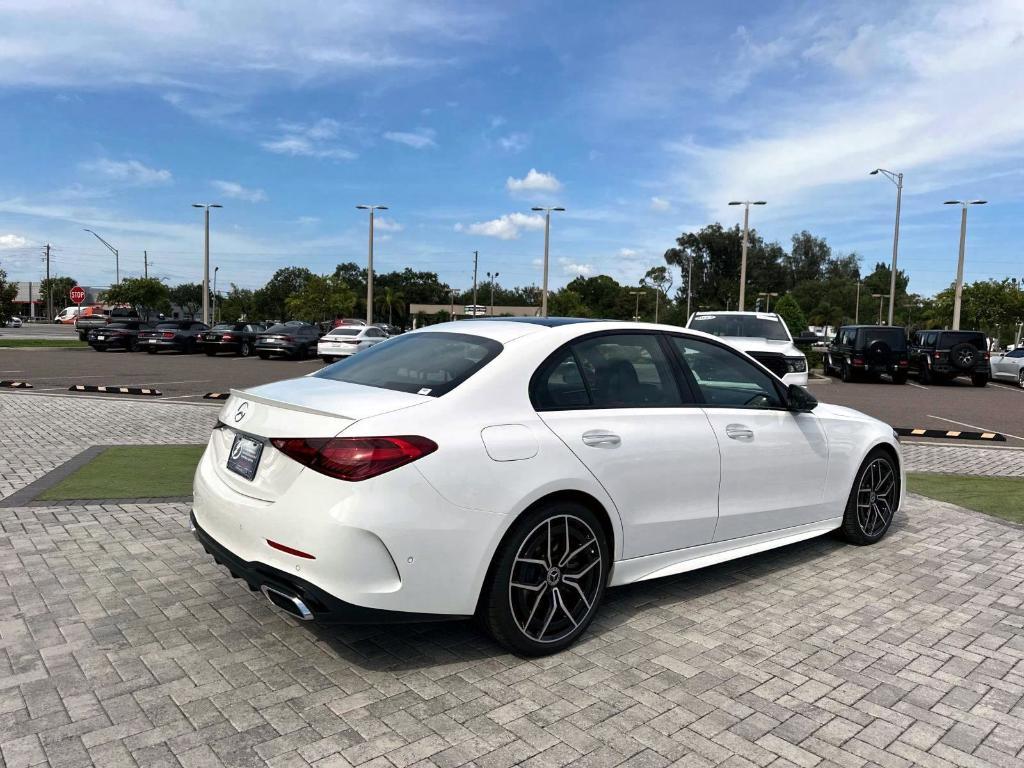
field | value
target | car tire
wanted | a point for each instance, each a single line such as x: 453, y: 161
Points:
x: 150, y: 351
x: 1020, y: 378
x: 244, y: 350
x: 924, y: 374
x: 563, y: 607
x: 979, y: 379
x: 264, y: 355
x: 327, y: 359
x: 899, y: 378
x: 826, y: 365
x: 873, y: 500
x: 845, y: 372
x: 210, y: 353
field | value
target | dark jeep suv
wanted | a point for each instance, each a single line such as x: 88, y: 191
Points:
x: 944, y: 355
x: 868, y: 351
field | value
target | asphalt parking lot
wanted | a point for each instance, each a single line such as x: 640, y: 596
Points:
x: 955, y: 406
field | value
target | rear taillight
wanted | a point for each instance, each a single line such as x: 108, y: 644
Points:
x: 986, y: 355
x: 167, y: 335
x: 354, y: 458
x: 226, y: 337
x: 858, y: 361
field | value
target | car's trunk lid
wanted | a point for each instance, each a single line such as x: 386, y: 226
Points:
x: 304, y: 407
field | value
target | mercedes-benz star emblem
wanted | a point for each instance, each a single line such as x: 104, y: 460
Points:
x: 241, y: 411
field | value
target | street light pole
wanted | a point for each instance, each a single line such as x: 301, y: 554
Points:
x: 880, y: 297
x: 768, y: 301
x: 636, y: 314
x: 746, y: 236
x: 856, y: 309
x: 117, y: 256
x: 547, y: 233
x: 897, y: 179
x: 689, y: 286
x: 958, y: 294
x: 206, y: 258
x: 369, y: 262
x: 215, y: 271
x: 492, y: 278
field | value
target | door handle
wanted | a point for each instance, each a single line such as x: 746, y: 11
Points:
x: 600, y: 438
x: 739, y: 432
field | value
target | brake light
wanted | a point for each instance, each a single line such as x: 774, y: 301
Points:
x: 354, y: 458
x: 938, y: 355
x: 226, y: 337
x: 986, y: 355
x: 858, y: 361
x: 904, y: 363
x: 168, y: 334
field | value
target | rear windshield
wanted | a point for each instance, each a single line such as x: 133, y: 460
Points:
x: 894, y: 337
x: 345, y: 332
x: 279, y: 328
x: 753, y: 326
x: 952, y: 338
x: 422, y: 363
x: 173, y: 326
x: 227, y: 327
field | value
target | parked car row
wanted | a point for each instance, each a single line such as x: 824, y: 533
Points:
x: 294, y: 339
x: 873, y: 351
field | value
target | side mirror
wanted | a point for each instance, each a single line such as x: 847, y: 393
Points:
x: 800, y: 399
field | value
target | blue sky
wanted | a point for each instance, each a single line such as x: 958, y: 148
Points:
x: 643, y: 119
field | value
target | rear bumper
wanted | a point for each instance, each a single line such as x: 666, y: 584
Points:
x: 277, y: 349
x: 326, y: 608
x: 221, y: 346
x: 159, y: 344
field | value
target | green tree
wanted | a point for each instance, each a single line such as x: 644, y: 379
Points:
x: 59, y: 288
x: 271, y: 301
x: 145, y: 294
x: 8, y: 293
x: 389, y: 299
x: 993, y: 306
x: 788, y: 309
x: 322, y: 298
x: 188, y: 296
x: 567, y: 303
x: 238, y: 304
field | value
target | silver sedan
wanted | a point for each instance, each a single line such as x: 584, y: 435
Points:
x: 1009, y: 366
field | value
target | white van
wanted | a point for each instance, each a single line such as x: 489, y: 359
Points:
x: 67, y: 315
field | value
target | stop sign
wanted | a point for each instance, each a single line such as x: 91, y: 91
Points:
x: 77, y: 294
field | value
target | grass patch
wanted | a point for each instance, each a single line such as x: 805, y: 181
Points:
x: 997, y: 496
x: 131, y: 472
x: 9, y: 343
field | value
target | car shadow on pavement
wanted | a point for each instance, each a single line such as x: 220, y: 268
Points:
x: 626, y: 610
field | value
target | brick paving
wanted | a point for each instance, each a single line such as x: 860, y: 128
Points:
x: 963, y: 460
x: 122, y: 644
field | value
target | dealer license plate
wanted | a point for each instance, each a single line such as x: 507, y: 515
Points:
x: 245, y: 456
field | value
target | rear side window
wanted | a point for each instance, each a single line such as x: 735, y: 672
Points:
x: 422, y: 363
x: 627, y: 370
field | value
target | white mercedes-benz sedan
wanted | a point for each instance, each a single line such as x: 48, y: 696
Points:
x: 514, y: 469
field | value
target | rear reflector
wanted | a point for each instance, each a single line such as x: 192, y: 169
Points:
x: 354, y: 458
x: 290, y: 551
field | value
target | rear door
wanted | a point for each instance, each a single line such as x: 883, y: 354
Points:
x: 774, y: 461
x: 616, y: 403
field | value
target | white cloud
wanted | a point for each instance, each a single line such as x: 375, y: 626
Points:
x: 660, y: 204
x: 386, y: 225
x: 240, y: 46
x: 314, y: 139
x: 507, y: 227
x: 628, y: 253
x: 235, y: 190
x: 576, y: 269
x: 420, y: 139
x: 514, y: 142
x: 12, y: 241
x: 130, y: 172
x: 923, y: 90
x: 533, y: 181
x: 306, y: 221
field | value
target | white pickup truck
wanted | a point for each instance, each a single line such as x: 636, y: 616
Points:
x: 762, y: 335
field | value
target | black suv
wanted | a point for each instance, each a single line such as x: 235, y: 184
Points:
x: 868, y: 351
x: 944, y: 355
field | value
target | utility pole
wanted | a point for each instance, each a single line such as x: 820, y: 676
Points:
x: 492, y: 278
x: 897, y: 179
x: 369, y: 263
x: 49, y: 288
x: 856, y: 309
x: 547, y: 233
x: 958, y: 294
x: 638, y: 294
x: 746, y: 237
x: 145, y: 264
x: 206, y: 259
x: 476, y: 258
x: 689, y: 286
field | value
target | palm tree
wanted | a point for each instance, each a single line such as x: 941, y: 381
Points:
x: 388, y: 298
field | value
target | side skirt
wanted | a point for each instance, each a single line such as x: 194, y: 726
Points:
x: 692, y: 558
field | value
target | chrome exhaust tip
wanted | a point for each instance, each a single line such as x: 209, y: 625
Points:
x: 287, y: 602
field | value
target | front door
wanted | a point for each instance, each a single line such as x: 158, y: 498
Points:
x: 774, y: 461
x: 615, y: 401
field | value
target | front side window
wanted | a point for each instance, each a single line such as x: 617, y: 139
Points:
x: 726, y: 379
x: 627, y: 370
x: 1016, y: 353
x: 432, y: 363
